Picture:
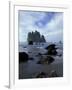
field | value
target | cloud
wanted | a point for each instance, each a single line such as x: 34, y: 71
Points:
x: 50, y: 24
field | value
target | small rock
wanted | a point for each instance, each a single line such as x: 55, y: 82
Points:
x: 60, y: 55
x: 24, y: 47
x: 47, y: 60
x: 31, y: 58
x: 39, y: 54
x: 53, y: 74
x: 41, y: 75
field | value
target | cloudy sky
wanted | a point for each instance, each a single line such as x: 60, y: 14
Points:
x: 50, y: 24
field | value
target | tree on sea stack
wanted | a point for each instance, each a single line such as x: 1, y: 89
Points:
x: 36, y: 36
x: 42, y: 39
x: 30, y: 38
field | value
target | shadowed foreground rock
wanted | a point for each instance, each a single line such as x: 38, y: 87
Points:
x: 51, y: 50
x: 41, y: 75
x: 47, y: 60
x: 23, y: 57
x: 53, y: 73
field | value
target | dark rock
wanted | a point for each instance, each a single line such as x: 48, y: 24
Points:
x: 35, y: 37
x: 60, y: 55
x: 53, y: 74
x: 23, y: 57
x: 31, y: 58
x: 39, y: 54
x: 51, y: 50
x: 52, y: 46
x: 47, y: 60
x: 41, y: 75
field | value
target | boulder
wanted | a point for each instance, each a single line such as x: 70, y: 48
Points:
x: 51, y: 50
x: 47, y: 60
x: 52, y: 46
x: 23, y: 57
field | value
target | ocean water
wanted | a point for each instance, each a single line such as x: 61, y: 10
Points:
x: 30, y: 69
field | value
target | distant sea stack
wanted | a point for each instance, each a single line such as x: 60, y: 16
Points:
x: 35, y: 37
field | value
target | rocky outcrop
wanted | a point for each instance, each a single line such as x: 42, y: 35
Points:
x: 23, y: 57
x: 47, y: 60
x: 35, y: 37
x: 51, y: 50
